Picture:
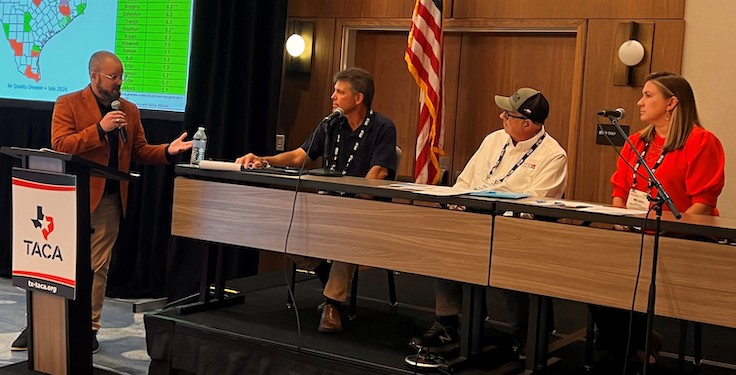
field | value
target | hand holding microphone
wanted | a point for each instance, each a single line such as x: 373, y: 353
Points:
x: 113, y: 120
x: 120, y: 121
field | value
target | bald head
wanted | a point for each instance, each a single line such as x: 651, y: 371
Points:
x: 99, y: 57
x: 106, y: 76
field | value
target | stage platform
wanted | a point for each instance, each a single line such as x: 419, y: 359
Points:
x: 263, y: 336
x: 21, y: 368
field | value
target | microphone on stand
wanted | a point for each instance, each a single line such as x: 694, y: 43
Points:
x: 617, y: 113
x: 329, y: 144
x: 123, y: 133
x: 336, y: 113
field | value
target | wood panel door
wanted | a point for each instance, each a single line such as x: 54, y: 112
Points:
x: 499, y: 63
x: 477, y: 66
x: 397, y: 94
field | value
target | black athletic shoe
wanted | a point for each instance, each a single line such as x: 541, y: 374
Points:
x: 438, y: 339
x: 21, y: 343
x: 95, y: 344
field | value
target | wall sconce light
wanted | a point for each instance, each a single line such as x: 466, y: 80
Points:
x: 299, y: 47
x: 630, y: 53
x: 632, y: 64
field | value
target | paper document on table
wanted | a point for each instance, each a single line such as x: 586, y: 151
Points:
x: 444, y: 191
x: 434, y: 190
x: 405, y: 186
x: 499, y: 194
x: 614, y: 211
x: 564, y: 203
x: 220, y: 165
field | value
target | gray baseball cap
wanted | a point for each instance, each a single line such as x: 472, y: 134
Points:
x: 527, y: 101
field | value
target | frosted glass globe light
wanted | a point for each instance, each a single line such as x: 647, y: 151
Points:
x: 295, y: 45
x: 631, y: 52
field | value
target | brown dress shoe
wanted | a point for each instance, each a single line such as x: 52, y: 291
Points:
x: 330, y: 321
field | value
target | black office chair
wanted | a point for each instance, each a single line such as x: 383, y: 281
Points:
x: 354, y: 286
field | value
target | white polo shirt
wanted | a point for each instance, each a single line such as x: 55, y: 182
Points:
x: 543, y: 173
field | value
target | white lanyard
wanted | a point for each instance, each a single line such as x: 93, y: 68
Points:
x: 518, y: 163
x: 361, y: 133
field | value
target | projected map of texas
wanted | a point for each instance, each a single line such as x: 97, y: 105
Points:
x: 29, y: 24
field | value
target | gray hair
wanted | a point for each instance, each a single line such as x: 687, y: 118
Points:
x: 360, y: 80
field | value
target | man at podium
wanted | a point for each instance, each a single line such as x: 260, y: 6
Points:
x: 362, y: 144
x: 95, y: 123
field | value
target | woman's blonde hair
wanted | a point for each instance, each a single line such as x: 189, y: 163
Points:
x: 684, y: 115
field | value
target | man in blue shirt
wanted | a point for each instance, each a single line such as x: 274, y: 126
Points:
x: 362, y: 144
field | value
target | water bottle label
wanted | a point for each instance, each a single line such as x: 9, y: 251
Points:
x: 198, y: 148
x: 199, y: 144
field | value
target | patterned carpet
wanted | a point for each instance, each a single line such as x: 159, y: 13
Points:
x: 122, y: 337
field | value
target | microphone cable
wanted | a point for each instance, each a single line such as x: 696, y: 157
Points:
x: 286, y: 243
x: 633, y: 299
x: 641, y: 253
x: 618, y: 152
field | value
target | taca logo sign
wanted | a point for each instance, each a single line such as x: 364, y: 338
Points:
x: 38, y: 223
x: 44, y: 250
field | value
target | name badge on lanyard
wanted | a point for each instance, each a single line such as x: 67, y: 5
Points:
x: 637, y: 200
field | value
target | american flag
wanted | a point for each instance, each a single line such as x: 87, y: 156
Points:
x: 424, y: 59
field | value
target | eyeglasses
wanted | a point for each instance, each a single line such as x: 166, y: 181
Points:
x: 506, y: 116
x: 114, y: 77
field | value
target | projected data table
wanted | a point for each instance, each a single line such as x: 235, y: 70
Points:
x: 152, y: 40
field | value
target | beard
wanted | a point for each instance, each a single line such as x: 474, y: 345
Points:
x: 108, y: 95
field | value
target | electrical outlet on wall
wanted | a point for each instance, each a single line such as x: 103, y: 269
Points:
x: 280, y: 142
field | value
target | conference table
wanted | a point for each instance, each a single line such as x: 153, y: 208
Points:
x: 367, y: 222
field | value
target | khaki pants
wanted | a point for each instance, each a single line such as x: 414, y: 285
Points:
x: 341, y: 276
x: 105, y: 223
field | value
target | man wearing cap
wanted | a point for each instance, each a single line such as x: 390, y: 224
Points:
x: 521, y: 158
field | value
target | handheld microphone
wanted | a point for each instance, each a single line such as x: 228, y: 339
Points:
x: 617, y: 113
x: 123, y: 133
x: 336, y: 113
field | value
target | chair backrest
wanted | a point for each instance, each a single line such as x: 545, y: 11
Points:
x: 399, y: 153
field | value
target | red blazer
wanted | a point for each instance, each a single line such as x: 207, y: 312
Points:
x: 74, y: 131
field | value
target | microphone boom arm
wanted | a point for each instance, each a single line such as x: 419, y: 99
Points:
x: 661, y: 192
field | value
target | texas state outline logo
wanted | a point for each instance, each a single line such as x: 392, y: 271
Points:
x: 42, y: 219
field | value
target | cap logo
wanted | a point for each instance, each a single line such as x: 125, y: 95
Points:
x: 516, y: 97
x: 527, y: 111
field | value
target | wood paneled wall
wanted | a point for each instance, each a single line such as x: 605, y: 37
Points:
x: 500, y: 63
x: 565, y: 48
x: 596, y: 163
x: 395, y: 88
x: 587, y: 9
x: 493, y: 9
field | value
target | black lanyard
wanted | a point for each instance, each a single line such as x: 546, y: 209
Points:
x: 654, y: 167
x: 518, y: 163
x: 362, y: 128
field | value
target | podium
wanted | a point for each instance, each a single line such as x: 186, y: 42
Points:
x: 51, y: 255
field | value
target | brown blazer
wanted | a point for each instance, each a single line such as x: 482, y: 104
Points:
x: 74, y: 131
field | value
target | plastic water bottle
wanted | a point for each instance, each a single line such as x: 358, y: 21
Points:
x: 199, y: 144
